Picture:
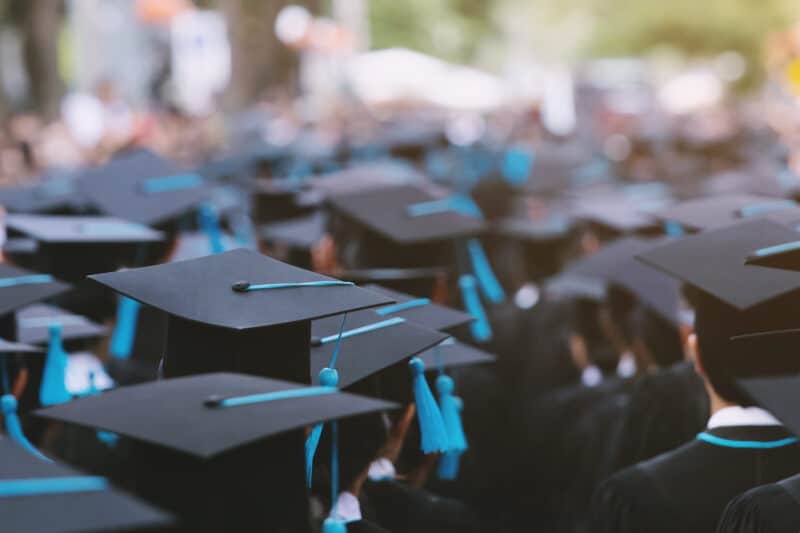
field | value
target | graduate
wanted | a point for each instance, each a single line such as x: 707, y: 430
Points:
x: 687, y: 489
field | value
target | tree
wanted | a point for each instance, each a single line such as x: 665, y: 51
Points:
x: 260, y: 61
x: 39, y: 22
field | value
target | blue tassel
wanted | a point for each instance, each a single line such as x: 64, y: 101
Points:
x: 331, y: 525
x: 125, y: 329
x: 448, y: 406
x: 450, y: 461
x: 208, y: 219
x: 480, y: 328
x: 517, y: 165
x: 489, y: 285
x: 13, y: 427
x: 448, y: 466
x: 431, y: 425
x: 54, y: 389
x: 328, y: 377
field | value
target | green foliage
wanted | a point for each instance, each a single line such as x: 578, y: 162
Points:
x: 451, y: 29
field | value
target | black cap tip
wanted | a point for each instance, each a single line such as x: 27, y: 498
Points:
x: 241, y: 286
x: 213, y: 401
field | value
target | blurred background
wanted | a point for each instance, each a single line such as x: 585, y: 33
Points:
x: 81, y: 78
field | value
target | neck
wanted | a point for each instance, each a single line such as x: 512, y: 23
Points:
x: 716, y: 402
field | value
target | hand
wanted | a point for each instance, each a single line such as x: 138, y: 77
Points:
x: 397, y: 436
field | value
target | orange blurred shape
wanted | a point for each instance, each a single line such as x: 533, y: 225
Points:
x: 160, y: 11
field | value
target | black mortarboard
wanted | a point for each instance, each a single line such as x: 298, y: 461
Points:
x: 616, y: 264
x: 17, y: 347
x: 217, y: 322
x: 40, y: 496
x: 143, y: 187
x: 33, y: 323
x: 528, y: 230
x: 76, y: 230
x: 714, y: 262
x: 392, y: 213
x: 194, y: 244
x: 300, y: 233
x: 74, y: 246
x: 53, y: 194
x: 417, y: 281
x: 718, y: 211
x: 777, y: 394
x: 421, y: 311
x: 275, y: 199
x: 370, y: 343
x: 219, y: 466
x: 451, y: 354
x: 20, y: 287
x: 292, y: 240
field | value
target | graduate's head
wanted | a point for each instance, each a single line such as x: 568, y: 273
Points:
x: 722, y: 361
x: 589, y: 342
x: 617, y: 317
x: 656, y: 341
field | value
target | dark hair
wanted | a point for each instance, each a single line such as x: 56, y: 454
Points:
x: 725, y: 361
x: 661, y: 338
x: 586, y: 323
x: 621, y: 305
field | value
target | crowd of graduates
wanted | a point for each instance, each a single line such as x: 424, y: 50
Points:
x: 401, y: 322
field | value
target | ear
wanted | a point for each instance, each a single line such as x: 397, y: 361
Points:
x: 694, y: 354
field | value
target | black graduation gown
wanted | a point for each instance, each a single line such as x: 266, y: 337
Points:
x: 773, y: 508
x: 687, y: 489
x: 401, y: 508
x: 665, y: 410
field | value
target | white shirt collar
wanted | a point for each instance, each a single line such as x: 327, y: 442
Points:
x: 381, y: 469
x: 591, y: 376
x: 347, y: 508
x: 742, y: 416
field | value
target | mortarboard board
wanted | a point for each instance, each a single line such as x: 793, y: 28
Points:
x: 777, y: 394
x: 219, y: 449
x: 74, y: 246
x: 20, y: 287
x: 408, y: 215
x: 417, y: 281
x: 33, y: 324
x: 714, y: 262
x: 17, y: 347
x: 239, y: 310
x: 300, y: 233
x: 194, y: 244
x: 535, y: 231
x: 421, y: 311
x: 718, y: 211
x: 53, y: 194
x: 143, y: 187
x: 74, y: 230
x: 370, y: 343
x: 616, y: 264
x: 42, y: 496
x: 452, y: 353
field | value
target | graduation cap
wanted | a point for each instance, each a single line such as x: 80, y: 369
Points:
x: 718, y: 211
x: 73, y: 246
x: 421, y: 311
x: 274, y: 199
x: 239, y: 310
x: 224, y: 451
x: 714, y: 262
x: 420, y: 281
x: 33, y: 323
x: 52, y: 194
x: 20, y: 287
x: 7, y: 347
x: 294, y: 239
x: 144, y: 187
x: 452, y: 354
x: 370, y: 343
x: 41, y: 496
x: 777, y: 394
x: 409, y: 215
x: 615, y: 265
